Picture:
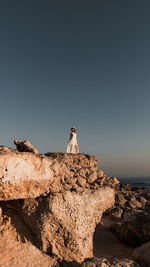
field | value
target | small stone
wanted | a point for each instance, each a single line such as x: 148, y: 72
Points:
x: 92, y: 177
x: 115, y: 180
x: 81, y: 182
x: 100, y: 174
x: 116, y: 213
x: 121, y: 200
x: 142, y: 200
x: 134, y: 203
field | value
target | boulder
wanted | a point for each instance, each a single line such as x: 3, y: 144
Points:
x: 100, y: 173
x: 134, y: 229
x: 115, y: 180
x: 25, y: 146
x: 116, y: 212
x: 134, y: 203
x: 120, y: 199
x: 142, y: 200
x: 64, y: 223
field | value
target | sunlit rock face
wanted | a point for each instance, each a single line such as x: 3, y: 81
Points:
x: 64, y: 223
x: 27, y: 175
x: 59, y: 198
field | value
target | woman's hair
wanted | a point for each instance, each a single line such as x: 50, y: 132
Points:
x: 73, y: 129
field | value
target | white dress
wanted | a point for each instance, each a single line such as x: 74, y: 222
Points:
x: 72, y: 146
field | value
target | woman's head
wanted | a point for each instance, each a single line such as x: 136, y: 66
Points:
x: 73, y: 129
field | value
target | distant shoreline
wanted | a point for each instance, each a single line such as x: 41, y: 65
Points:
x: 133, y: 177
x: 139, y: 182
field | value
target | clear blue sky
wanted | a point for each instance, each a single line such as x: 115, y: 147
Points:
x: 78, y: 63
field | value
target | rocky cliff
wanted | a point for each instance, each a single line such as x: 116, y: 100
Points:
x: 50, y: 206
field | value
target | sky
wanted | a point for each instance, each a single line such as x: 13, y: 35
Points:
x: 83, y: 64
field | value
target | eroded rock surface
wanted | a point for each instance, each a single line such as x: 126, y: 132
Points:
x: 65, y: 223
x: 58, y: 198
x: 27, y: 175
x: 17, y: 244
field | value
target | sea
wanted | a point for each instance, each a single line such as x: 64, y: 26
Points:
x: 139, y: 182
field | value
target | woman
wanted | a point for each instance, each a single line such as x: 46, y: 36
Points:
x: 72, y: 146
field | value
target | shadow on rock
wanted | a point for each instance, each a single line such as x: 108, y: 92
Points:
x: 11, y: 211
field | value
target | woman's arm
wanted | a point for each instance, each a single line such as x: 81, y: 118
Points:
x: 71, y: 135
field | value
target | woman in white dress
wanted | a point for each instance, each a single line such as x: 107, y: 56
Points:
x: 72, y: 146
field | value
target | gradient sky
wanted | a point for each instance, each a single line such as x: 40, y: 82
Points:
x: 78, y: 63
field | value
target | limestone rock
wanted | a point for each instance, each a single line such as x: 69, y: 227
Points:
x: 115, y: 180
x: 131, y: 211
x: 49, y: 203
x: 25, y: 146
x: 14, y: 253
x: 134, y: 229
x: 27, y: 175
x: 100, y: 174
x: 92, y: 177
x: 64, y: 223
x: 134, y: 203
x: 81, y: 182
x: 16, y: 249
x: 4, y: 149
x: 112, y: 181
x: 24, y: 175
x: 128, y: 199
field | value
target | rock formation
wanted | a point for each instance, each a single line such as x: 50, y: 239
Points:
x: 131, y: 216
x: 102, y: 262
x: 134, y: 228
x: 26, y: 175
x: 17, y: 244
x: 52, y: 202
x: 50, y: 205
x: 128, y: 199
x: 64, y: 223
x: 25, y: 146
